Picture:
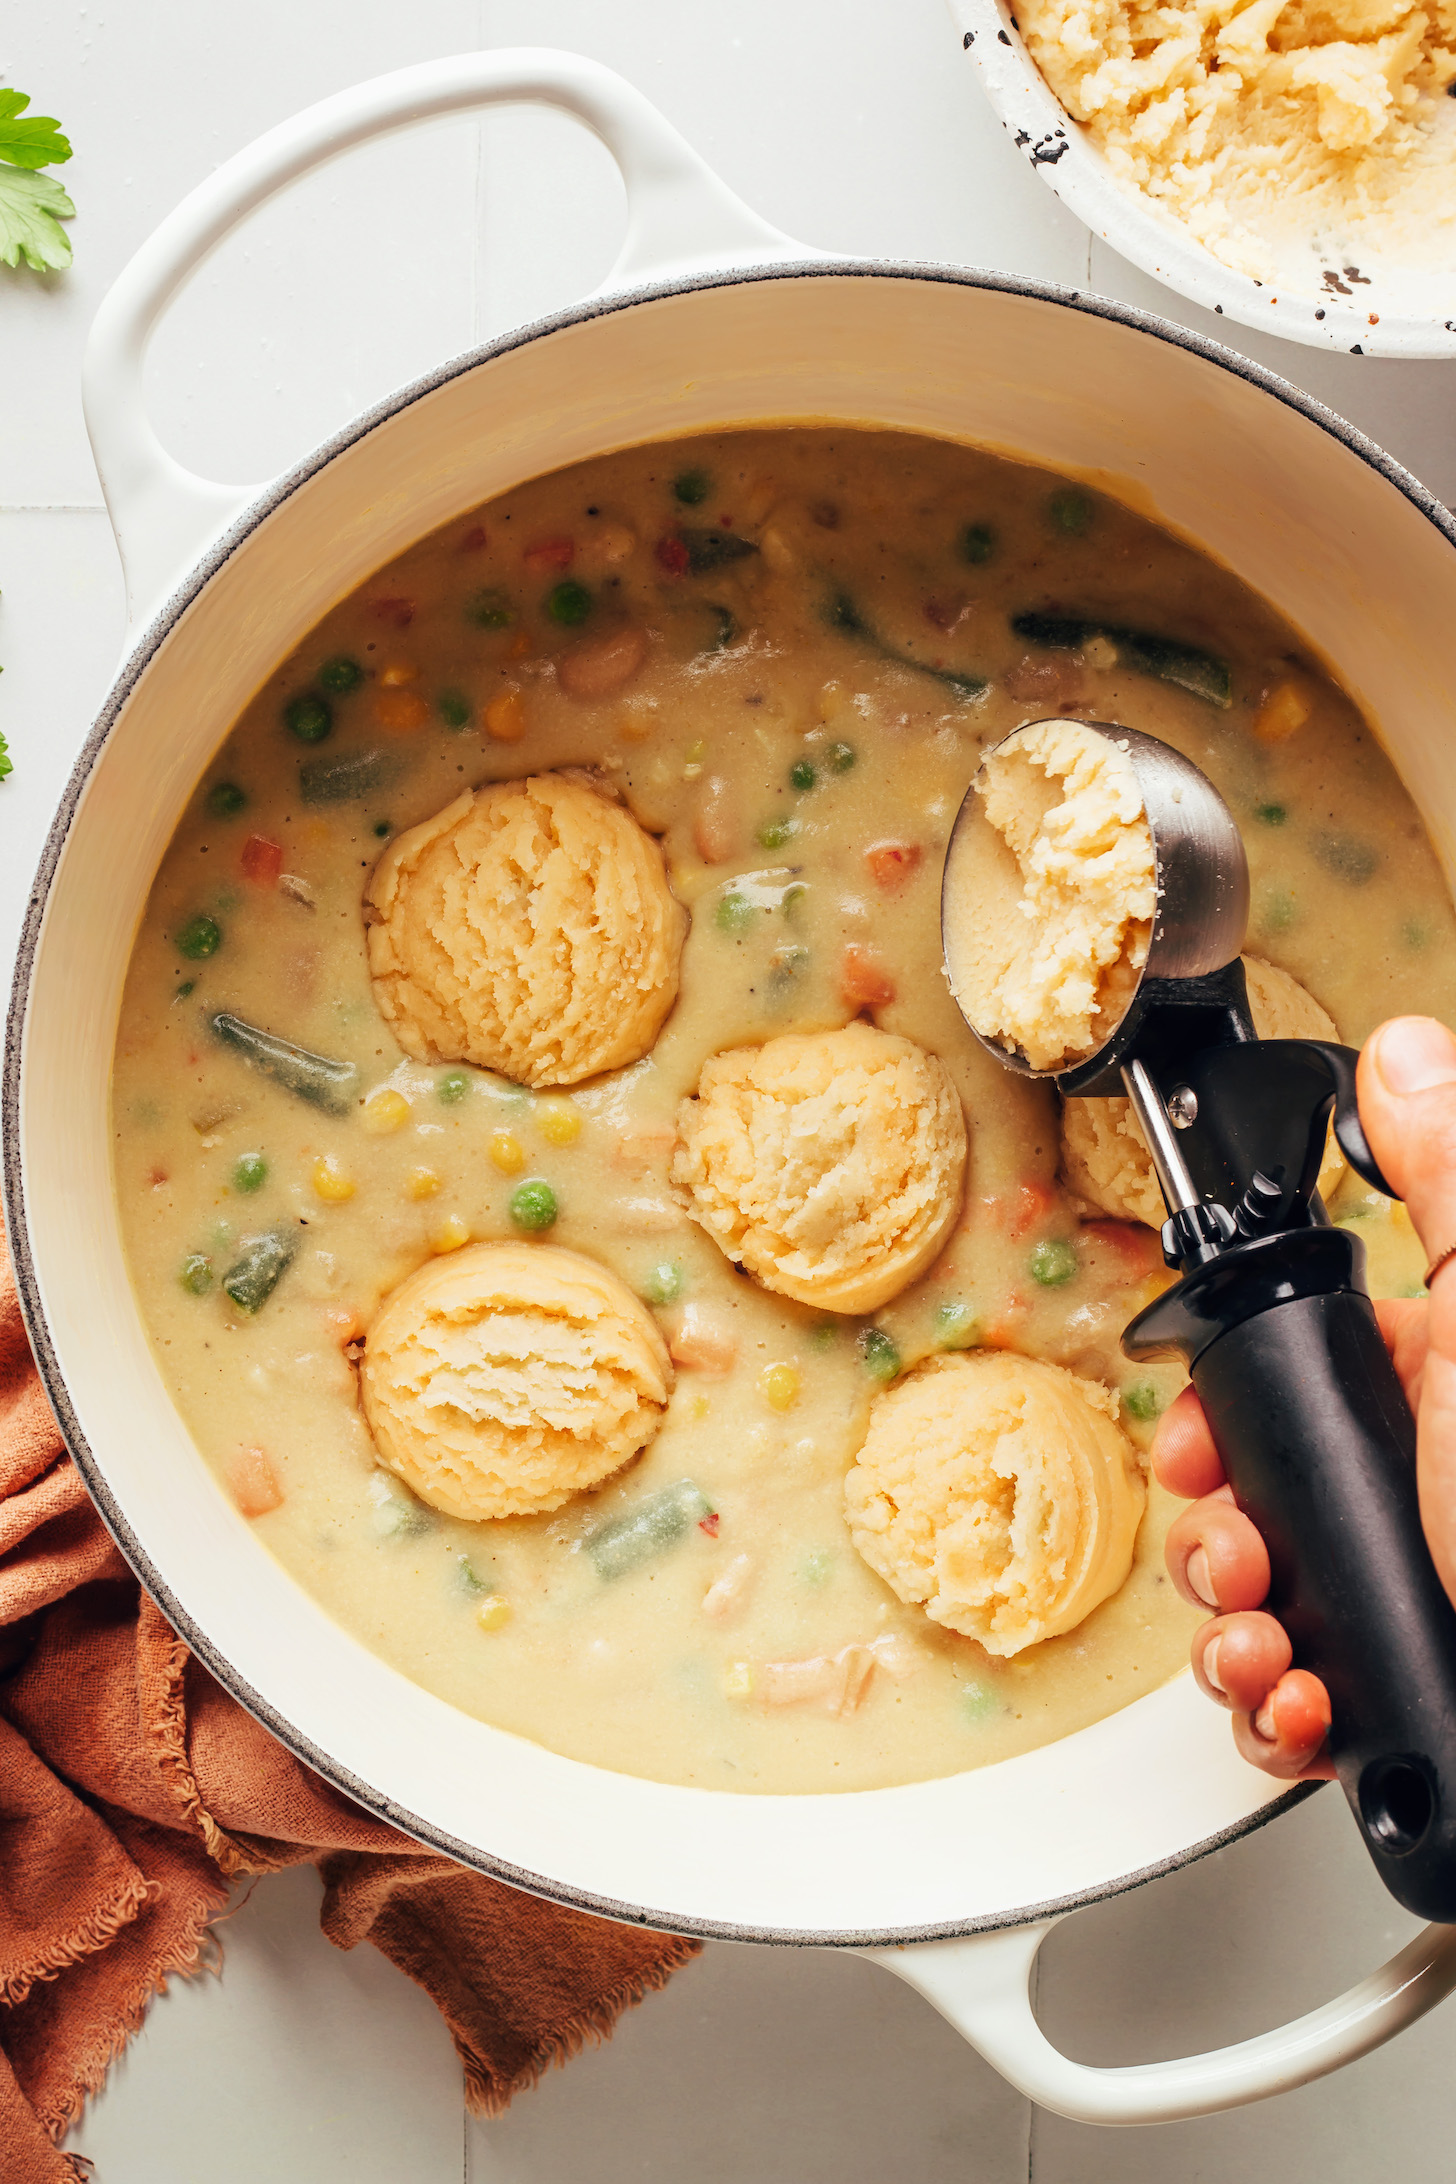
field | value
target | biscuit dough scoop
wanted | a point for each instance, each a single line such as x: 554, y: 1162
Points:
x: 1049, y: 855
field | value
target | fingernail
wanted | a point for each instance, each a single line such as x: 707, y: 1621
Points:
x: 1264, y: 1725
x: 1414, y: 1053
x: 1199, y: 1578
x: 1210, y: 1667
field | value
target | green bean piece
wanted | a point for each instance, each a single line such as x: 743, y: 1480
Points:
x: 1142, y: 1401
x: 978, y: 543
x: 1270, y: 815
x: 709, y: 550
x: 188, y: 985
x: 470, y: 1578
x: 310, y: 717
x: 774, y: 833
x: 533, y: 1205
x: 1060, y: 632
x: 225, y: 799
x: 802, y: 774
x: 452, y: 1087
x: 453, y: 708
x: 692, y: 487
x: 344, y: 779
x: 490, y: 610
x: 200, y: 937
x: 331, y: 1085
x: 255, y: 1276
x: 569, y: 603
x: 1072, y: 512
x: 794, y: 900
x: 841, y: 613
x: 841, y: 757
x: 735, y: 913
x: 880, y: 1356
x: 1186, y: 666
x: 625, y: 1543
x: 726, y: 629
x: 250, y: 1173
x: 664, y: 1283
x: 957, y: 1327
x: 788, y: 967
x: 340, y: 675
x: 1052, y: 1263
x: 196, y: 1274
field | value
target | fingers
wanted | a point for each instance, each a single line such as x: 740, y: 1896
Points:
x: 1215, y: 1557
x: 1185, y: 1460
x: 1285, y: 1737
x: 1238, y: 1659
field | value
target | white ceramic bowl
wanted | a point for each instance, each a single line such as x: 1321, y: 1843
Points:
x: 1399, y: 311
x: 712, y: 321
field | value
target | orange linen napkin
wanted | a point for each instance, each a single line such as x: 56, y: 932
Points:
x: 133, y: 1789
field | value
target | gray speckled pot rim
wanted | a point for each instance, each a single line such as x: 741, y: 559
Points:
x: 113, y: 1515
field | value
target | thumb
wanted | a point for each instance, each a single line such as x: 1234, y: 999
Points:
x: 1407, y: 1093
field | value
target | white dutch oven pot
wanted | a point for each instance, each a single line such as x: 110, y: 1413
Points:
x: 710, y: 320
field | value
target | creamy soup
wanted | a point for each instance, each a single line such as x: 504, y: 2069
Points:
x: 783, y: 652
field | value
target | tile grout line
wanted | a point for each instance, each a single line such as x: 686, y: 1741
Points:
x: 52, y: 508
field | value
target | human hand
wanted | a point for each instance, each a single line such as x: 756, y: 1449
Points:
x: 1407, y: 1093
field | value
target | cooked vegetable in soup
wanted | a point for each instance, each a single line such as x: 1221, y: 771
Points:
x: 570, y: 1213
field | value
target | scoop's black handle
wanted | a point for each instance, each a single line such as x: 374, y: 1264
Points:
x: 1318, y: 1443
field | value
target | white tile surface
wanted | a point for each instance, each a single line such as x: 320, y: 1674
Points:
x: 854, y: 125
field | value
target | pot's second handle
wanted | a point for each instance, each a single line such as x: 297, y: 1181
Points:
x: 681, y: 219
x: 982, y: 1985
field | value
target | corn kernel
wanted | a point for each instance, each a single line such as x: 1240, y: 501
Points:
x: 699, y: 1409
x: 450, y: 1235
x: 519, y: 646
x: 780, y: 1385
x: 636, y: 721
x: 400, y: 710
x: 505, y: 717
x: 1286, y: 709
x: 558, y: 1123
x: 738, y: 1683
x: 422, y: 1183
x: 384, y: 1112
x: 398, y: 673
x: 494, y: 1612
x: 507, y: 1151
x: 331, y: 1181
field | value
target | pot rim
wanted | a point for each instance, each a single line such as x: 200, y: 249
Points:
x: 133, y: 667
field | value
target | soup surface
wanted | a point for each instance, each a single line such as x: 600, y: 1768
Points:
x: 784, y: 651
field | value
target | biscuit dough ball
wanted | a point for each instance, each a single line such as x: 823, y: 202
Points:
x: 1051, y: 902
x: 528, y: 928
x: 1103, y: 1156
x: 507, y: 1377
x: 828, y: 1164
x: 997, y: 1493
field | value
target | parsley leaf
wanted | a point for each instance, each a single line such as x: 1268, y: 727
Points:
x: 30, y: 206
x: 5, y: 765
x: 34, y: 142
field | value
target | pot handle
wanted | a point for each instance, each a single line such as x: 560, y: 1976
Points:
x: 681, y: 220
x: 982, y: 1984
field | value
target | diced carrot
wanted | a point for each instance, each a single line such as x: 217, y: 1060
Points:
x: 1133, y: 1244
x: 672, y: 554
x: 519, y: 646
x: 1022, y: 1208
x: 948, y: 611
x: 863, y: 981
x: 400, y: 710
x: 398, y: 612
x: 254, y: 1483
x: 261, y: 860
x: 548, y: 554
x: 701, y: 1344
x: 891, y: 863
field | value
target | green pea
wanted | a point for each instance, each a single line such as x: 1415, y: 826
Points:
x: 841, y: 757
x: 978, y: 543
x: 188, y: 985
x: 453, y: 708
x: 1142, y: 1401
x: 1348, y: 858
x: 817, y: 1566
x: 692, y: 487
x: 734, y: 914
x: 340, y: 675
x: 533, y: 1205
x: 1071, y: 512
x: 470, y: 1578
x: 200, y: 936
x: 1415, y: 934
x: 381, y: 828
x: 250, y: 1173
x: 794, y: 899
x: 452, y: 1087
x: 310, y: 717
x: 196, y: 1274
x: 665, y: 1283
x: 1271, y: 815
x: 774, y: 833
x: 956, y: 1327
x: 569, y: 603
x: 1277, y: 910
x: 225, y: 799
x: 881, y: 1357
x: 490, y: 610
x: 802, y: 774
x: 824, y: 1336
x: 976, y: 1702
x: 1052, y: 1263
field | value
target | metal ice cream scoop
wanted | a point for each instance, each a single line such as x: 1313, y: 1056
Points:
x: 1271, y: 1314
